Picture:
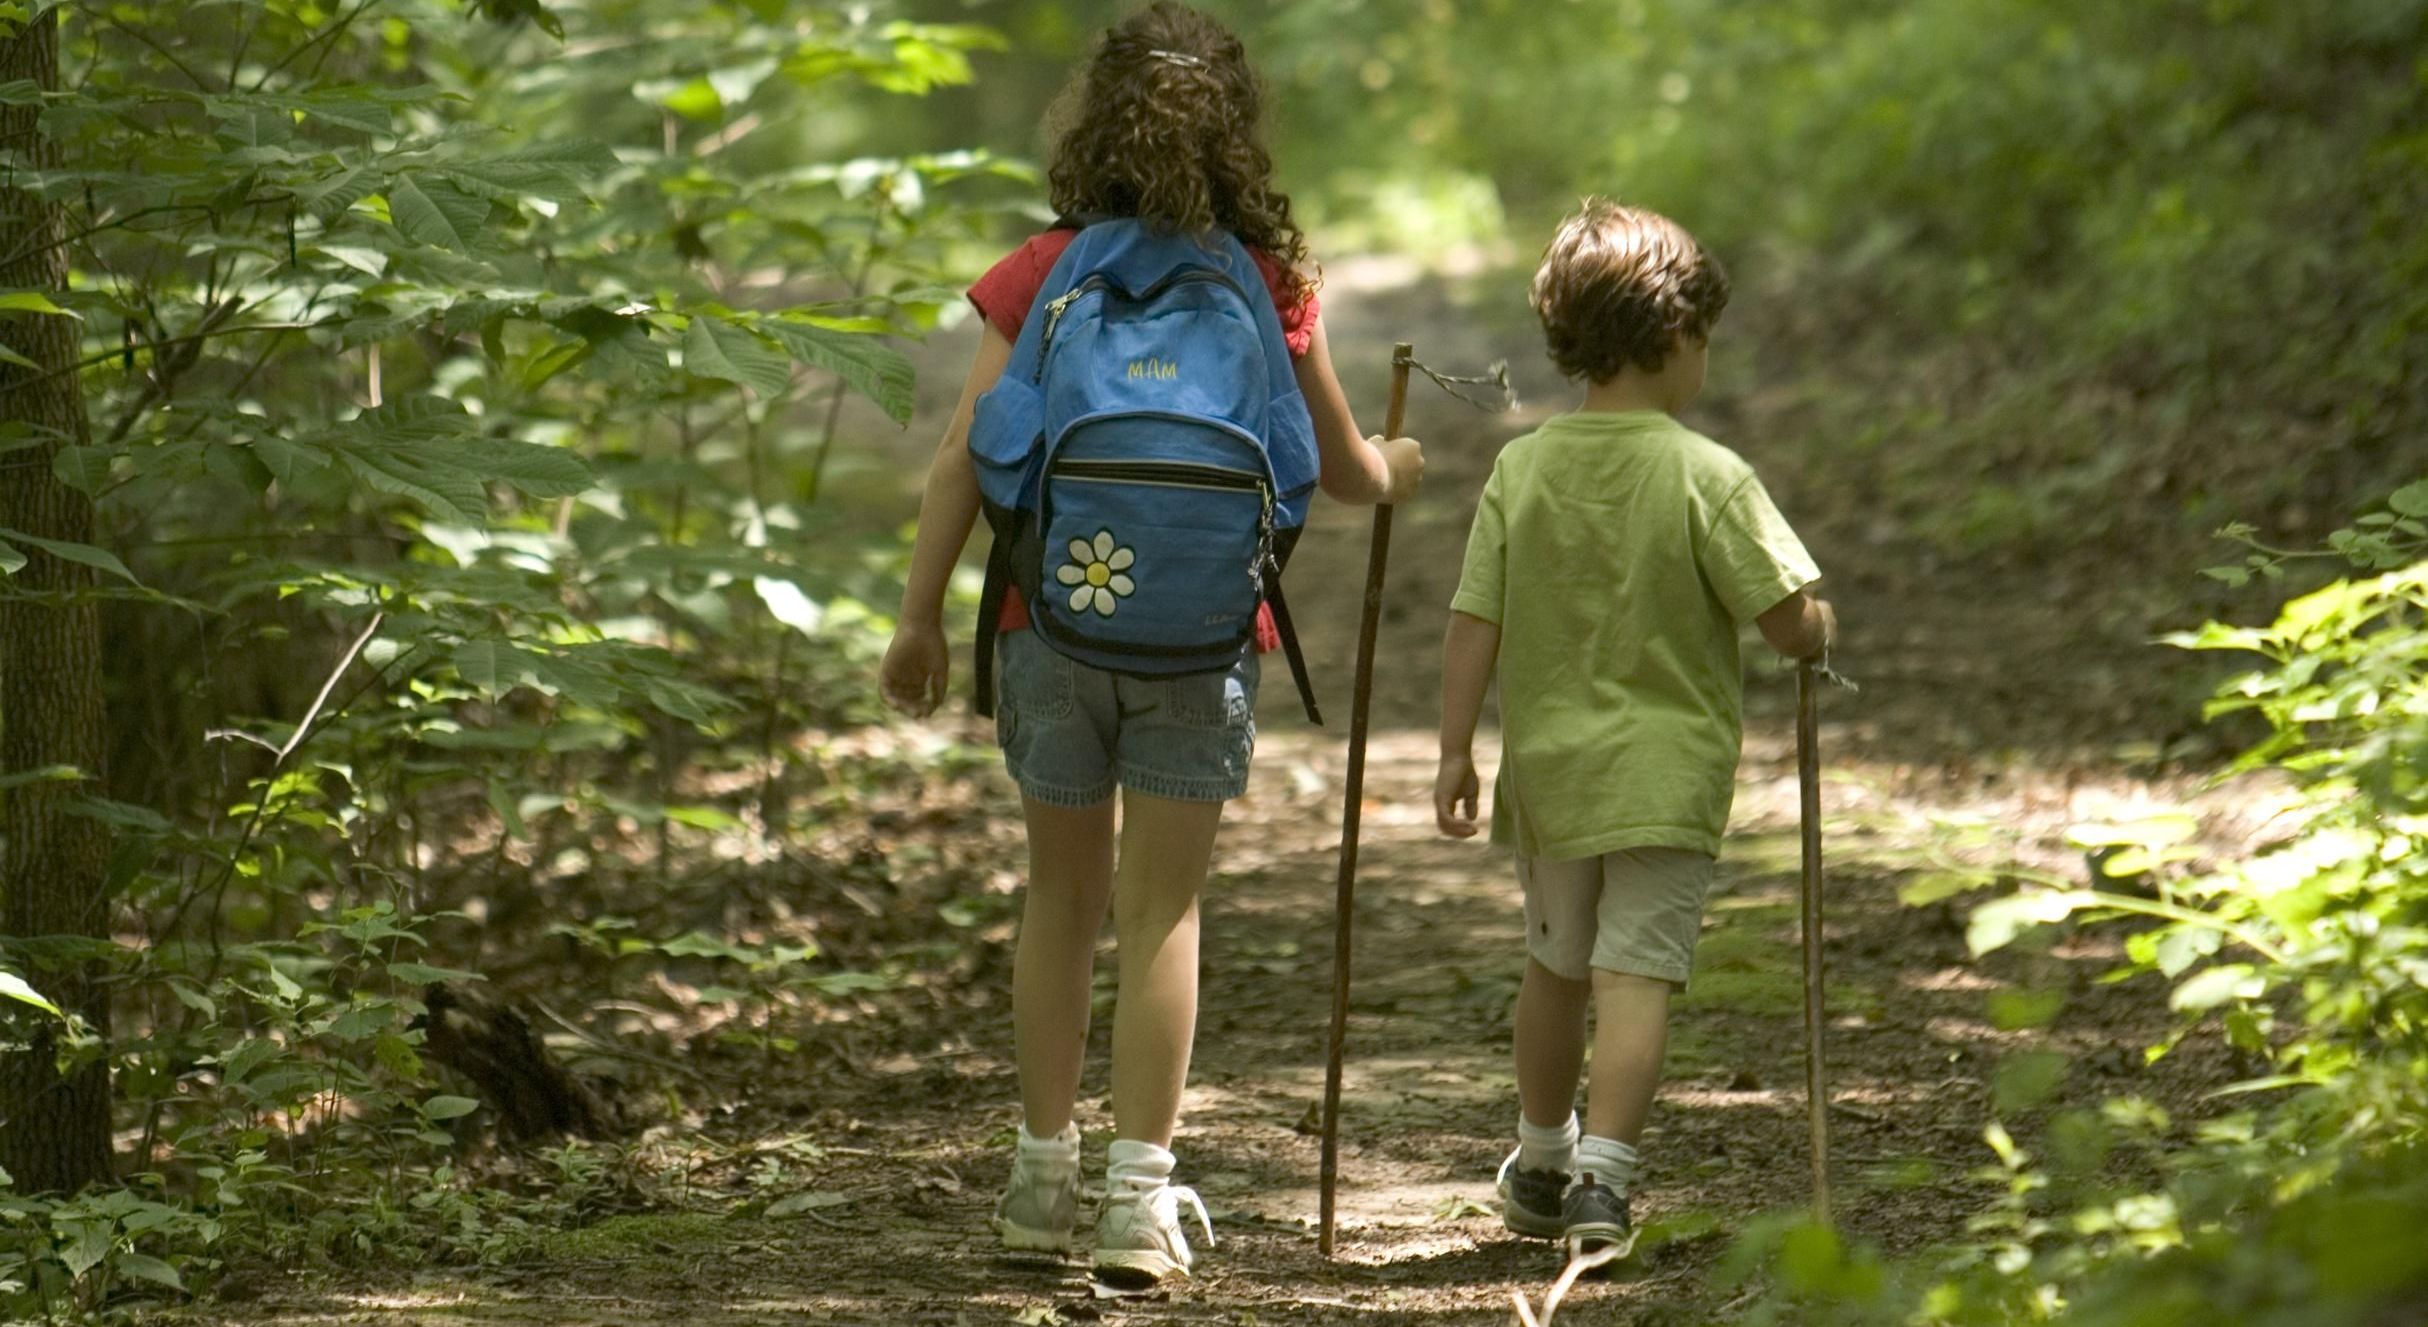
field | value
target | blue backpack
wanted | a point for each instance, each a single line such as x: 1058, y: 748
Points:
x: 1146, y: 459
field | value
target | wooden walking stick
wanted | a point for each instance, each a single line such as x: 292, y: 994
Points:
x: 1808, y: 778
x: 1378, y: 555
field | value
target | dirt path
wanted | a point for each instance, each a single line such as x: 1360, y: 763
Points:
x: 899, y: 1126
x: 1985, y: 730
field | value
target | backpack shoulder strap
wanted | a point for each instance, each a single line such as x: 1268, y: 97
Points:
x: 1281, y: 377
x: 990, y: 620
x: 1288, y: 631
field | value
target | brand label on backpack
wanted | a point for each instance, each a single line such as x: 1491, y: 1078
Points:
x: 1154, y: 368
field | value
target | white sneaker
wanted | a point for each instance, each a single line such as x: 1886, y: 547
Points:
x: 1138, y: 1234
x: 1040, y: 1204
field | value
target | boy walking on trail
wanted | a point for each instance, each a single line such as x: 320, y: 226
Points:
x: 1615, y: 555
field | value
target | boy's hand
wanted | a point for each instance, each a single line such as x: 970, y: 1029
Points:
x: 1455, y: 790
x: 917, y: 666
x: 1406, y: 459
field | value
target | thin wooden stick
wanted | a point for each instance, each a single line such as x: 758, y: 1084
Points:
x: 1378, y: 556
x: 1808, y: 778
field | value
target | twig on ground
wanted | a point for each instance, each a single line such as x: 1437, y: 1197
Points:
x: 1576, y: 1267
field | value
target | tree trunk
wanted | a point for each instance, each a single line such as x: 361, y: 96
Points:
x: 54, y: 1128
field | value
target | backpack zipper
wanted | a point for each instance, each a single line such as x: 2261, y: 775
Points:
x: 1055, y: 307
x: 1186, y: 474
x: 1182, y: 474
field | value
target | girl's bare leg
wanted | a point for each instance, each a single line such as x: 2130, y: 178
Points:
x: 1166, y: 847
x: 1070, y: 881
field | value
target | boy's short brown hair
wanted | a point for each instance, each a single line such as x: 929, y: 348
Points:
x: 1623, y: 286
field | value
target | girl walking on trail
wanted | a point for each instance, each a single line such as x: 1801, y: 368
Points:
x: 1160, y: 139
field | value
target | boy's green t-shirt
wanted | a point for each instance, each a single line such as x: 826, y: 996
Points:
x: 1620, y: 554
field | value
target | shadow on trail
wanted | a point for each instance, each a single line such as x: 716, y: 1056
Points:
x: 1429, y: 1103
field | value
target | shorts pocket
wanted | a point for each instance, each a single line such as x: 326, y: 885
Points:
x: 1037, y: 681
x: 1214, y: 700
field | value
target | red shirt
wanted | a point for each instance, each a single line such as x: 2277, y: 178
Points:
x: 1003, y: 297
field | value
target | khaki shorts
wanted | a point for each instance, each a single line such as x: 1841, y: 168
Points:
x: 1636, y: 911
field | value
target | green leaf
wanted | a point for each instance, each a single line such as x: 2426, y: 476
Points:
x: 437, y: 213
x: 448, y: 1108
x: 389, y: 448
x: 13, y: 987
x: 127, y: 816
x: 2026, y: 1079
x: 700, y: 944
x: 2410, y: 499
x: 90, y: 1245
x: 42, y: 774
x: 713, y: 348
x: 83, y: 468
x: 2216, y: 985
x: 330, y: 196
x: 1995, y: 924
x: 2012, y: 1011
x: 83, y: 554
x: 493, y: 667
x: 535, y: 468
x: 1932, y: 886
x: 872, y: 368
x: 288, y: 460
x: 2151, y: 831
x: 422, y: 974
x: 30, y: 301
x: 8, y: 356
x: 788, y: 605
x: 693, y: 99
x: 554, y: 171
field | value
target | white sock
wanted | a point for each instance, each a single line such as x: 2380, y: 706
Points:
x: 1552, y: 1148
x: 1061, y: 1150
x: 1136, y: 1165
x: 1611, y: 1163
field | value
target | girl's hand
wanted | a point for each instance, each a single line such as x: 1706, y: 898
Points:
x: 1455, y: 790
x: 917, y: 666
x: 1405, y: 457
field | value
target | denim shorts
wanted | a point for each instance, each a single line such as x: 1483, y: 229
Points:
x: 1072, y: 733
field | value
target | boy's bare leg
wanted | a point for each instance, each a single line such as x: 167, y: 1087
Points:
x: 1550, y: 1044
x: 1166, y: 846
x: 1630, y: 1035
x: 1070, y: 882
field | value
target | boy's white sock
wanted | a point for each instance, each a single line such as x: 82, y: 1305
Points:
x: 1131, y: 1164
x: 1611, y: 1163
x: 1552, y: 1148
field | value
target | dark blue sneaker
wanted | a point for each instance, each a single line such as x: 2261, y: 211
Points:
x: 1530, y: 1200
x: 1595, y: 1218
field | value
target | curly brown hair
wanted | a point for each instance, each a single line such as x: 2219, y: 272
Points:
x: 1162, y: 124
x: 1623, y: 286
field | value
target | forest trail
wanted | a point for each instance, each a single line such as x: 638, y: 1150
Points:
x: 1988, y: 724
x: 898, y: 1138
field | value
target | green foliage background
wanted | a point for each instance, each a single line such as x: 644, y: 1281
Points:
x: 469, y: 381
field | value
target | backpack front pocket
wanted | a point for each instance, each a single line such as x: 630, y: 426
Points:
x: 1154, y: 563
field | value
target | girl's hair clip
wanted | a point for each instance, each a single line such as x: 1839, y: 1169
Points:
x: 1182, y: 59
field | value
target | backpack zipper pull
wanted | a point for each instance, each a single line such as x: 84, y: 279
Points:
x: 1264, y: 541
x: 1054, y: 308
